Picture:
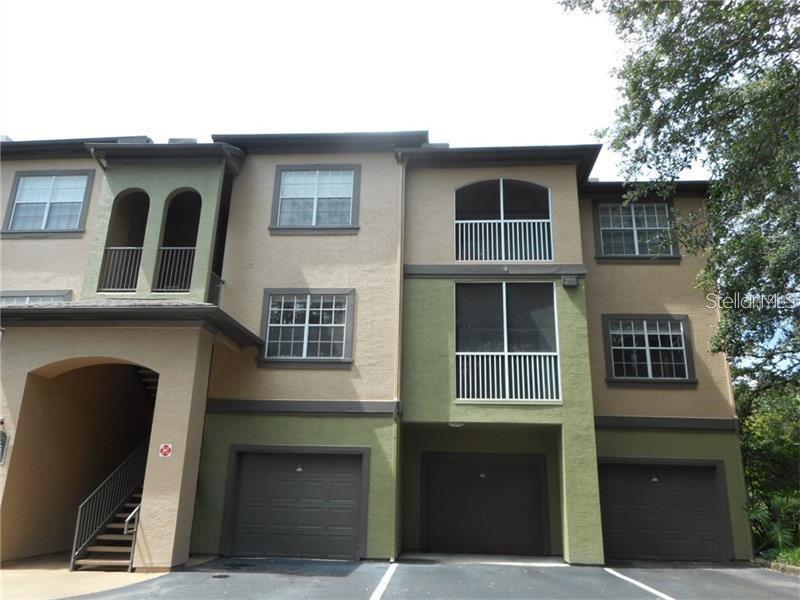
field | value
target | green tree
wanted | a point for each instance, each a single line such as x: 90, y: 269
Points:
x: 718, y: 83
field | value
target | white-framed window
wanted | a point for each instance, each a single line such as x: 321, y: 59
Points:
x: 21, y: 299
x: 49, y: 202
x: 309, y: 324
x: 649, y: 348
x: 316, y: 197
x: 635, y: 229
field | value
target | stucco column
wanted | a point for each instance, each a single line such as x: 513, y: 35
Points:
x: 580, y: 496
x: 170, y: 483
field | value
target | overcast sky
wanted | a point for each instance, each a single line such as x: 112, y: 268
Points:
x: 473, y: 74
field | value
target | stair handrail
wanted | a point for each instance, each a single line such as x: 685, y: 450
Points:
x: 100, y: 506
x: 134, y: 528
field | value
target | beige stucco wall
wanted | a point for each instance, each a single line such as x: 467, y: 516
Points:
x: 73, y: 431
x: 430, y: 209
x: 50, y: 263
x: 654, y: 288
x: 181, y: 355
x: 369, y: 262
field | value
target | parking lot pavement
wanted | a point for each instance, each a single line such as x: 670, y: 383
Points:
x: 456, y: 580
x: 704, y: 581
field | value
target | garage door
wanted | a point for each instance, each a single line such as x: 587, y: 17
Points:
x: 298, y: 505
x: 490, y: 504
x: 661, y: 512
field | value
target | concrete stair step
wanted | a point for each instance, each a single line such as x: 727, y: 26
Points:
x: 102, y: 562
x: 103, y: 549
x: 115, y: 537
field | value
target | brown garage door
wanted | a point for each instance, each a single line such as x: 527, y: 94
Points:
x: 298, y: 505
x: 492, y: 504
x: 661, y: 512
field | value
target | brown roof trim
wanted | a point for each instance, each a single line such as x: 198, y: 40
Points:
x: 71, y: 148
x: 677, y: 423
x: 687, y: 188
x: 584, y: 156
x: 77, y: 316
x: 324, y: 142
x: 232, y: 155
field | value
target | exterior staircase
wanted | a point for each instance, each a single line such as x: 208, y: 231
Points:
x: 105, y: 530
x: 149, y: 379
x: 113, y: 548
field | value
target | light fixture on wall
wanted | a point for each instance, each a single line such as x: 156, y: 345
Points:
x: 456, y: 425
x: 3, y: 441
x: 299, y: 468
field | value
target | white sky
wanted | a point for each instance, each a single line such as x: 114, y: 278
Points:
x: 473, y: 74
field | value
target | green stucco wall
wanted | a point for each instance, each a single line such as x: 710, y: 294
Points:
x: 222, y: 431
x: 689, y: 445
x: 428, y: 396
x: 489, y: 439
x: 160, y: 182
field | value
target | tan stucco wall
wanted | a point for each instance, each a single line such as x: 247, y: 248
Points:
x: 181, y: 355
x: 430, y: 209
x: 369, y: 262
x: 52, y: 263
x: 654, y: 288
x: 73, y: 431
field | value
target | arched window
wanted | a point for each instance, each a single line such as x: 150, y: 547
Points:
x: 503, y: 220
x: 123, y: 251
x: 178, y: 241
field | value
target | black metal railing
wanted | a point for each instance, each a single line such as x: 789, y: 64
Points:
x: 100, y: 506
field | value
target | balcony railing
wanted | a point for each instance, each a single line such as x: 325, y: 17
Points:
x: 120, y: 270
x: 504, y: 240
x: 507, y: 376
x: 174, y: 269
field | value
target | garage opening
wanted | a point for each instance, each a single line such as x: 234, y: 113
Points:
x: 663, y: 512
x: 299, y: 504
x: 484, y: 504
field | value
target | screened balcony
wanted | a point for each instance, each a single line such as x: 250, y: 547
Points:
x: 123, y: 252
x: 177, y: 249
x: 506, y: 342
x: 503, y: 220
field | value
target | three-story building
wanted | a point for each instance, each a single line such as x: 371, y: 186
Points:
x: 350, y: 345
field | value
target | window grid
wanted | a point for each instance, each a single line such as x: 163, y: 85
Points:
x: 648, y: 348
x: 316, y: 198
x: 635, y: 229
x: 48, y: 202
x: 30, y: 299
x: 307, y: 326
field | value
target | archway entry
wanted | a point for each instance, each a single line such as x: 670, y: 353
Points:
x: 124, y: 242
x: 81, y: 439
x: 178, y: 243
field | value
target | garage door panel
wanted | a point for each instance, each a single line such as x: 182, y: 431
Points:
x: 299, y: 504
x: 485, y: 504
x: 665, y: 512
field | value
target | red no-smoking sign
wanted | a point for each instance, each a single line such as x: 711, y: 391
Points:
x: 165, y: 450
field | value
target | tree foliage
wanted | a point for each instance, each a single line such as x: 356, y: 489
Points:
x: 718, y: 83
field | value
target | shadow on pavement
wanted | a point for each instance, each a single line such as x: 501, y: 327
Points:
x: 658, y: 564
x: 279, y: 566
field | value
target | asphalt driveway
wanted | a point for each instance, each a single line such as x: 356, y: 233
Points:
x: 476, y: 579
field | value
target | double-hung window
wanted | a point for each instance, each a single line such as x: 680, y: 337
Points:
x: 506, y: 342
x: 635, y: 229
x: 321, y: 198
x: 648, y: 348
x: 309, y: 325
x: 49, y: 202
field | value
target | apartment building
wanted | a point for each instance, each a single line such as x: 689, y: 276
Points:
x: 350, y: 345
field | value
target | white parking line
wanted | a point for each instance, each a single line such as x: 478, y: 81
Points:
x: 639, y: 584
x: 384, y: 582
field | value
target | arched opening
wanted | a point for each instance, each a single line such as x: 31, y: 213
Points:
x: 178, y: 242
x: 124, y: 241
x: 79, y: 454
x: 503, y: 220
